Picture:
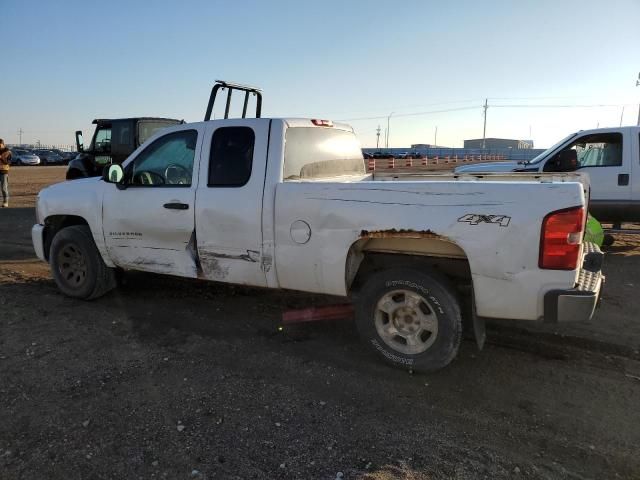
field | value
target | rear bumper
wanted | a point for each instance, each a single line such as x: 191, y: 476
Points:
x: 579, y: 303
x: 37, y: 238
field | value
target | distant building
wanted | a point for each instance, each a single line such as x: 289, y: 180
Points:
x: 418, y: 146
x: 498, y: 143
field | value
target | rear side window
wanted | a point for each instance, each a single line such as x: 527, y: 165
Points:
x: 147, y: 128
x: 231, y: 157
x: 317, y: 152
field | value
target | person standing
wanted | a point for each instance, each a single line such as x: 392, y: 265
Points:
x: 5, y: 163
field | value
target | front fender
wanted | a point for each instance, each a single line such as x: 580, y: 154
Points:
x: 81, y: 198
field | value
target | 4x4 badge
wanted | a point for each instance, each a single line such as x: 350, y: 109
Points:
x: 476, y: 218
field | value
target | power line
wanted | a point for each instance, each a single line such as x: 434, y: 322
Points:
x: 413, y: 114
x: 544, y: 105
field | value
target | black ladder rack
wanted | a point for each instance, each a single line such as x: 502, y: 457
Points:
x: 247, y: 89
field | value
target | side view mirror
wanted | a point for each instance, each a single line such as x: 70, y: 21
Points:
x: 79, y: 144
x: 564, y: 161
x: 114, y: 174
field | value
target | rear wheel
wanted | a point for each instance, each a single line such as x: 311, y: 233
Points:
x: 410, y: 318
x: 76, y: 264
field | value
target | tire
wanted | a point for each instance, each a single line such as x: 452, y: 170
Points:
x: 76, y: 264
x: 410, y: 318
x: 608, y: 240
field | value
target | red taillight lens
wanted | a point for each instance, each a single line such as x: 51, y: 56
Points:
x: 322, y: 123
x: 560, y: 240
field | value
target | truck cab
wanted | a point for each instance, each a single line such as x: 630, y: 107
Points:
x: 112, y: 142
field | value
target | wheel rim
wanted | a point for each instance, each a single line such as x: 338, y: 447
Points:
x: 406, y: 321
x: 72, y: 265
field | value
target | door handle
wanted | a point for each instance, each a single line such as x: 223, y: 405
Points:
x: 176, y: 206
x: 623, y: 179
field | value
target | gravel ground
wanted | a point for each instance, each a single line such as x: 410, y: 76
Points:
x: 171, y: 378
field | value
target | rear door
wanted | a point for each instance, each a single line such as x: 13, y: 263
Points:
x: 229, y: 201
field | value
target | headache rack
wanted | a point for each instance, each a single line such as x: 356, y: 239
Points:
x: 248, y: 90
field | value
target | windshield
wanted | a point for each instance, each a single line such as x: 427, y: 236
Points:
x: 544, y: 154
x: 312, y: 152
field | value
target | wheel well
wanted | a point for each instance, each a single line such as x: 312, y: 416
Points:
x: 54, y: 224
x: 455, y: 269
x: 377, y: 251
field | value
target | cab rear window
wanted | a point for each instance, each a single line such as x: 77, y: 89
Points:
x: 315, y: 152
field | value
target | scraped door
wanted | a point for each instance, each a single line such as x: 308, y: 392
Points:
x: 229, y: 202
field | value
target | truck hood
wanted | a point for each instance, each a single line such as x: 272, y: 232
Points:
x: 509, y: 166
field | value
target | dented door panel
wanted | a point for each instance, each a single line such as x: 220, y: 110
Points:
x: 229, y: 217
x: 142, y: 228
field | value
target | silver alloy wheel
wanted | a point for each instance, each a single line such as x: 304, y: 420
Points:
x: 72, y: 265
x: 406, y: 321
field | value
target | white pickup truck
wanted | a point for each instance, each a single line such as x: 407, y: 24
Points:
x: 611, y: 157
x: 288, y: 204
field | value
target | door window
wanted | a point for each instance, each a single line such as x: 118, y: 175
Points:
x: 103, y: 140
x: 231, y: 157
x: 168, y: 161
x: 599, y: 150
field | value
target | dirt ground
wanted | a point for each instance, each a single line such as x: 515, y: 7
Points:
x: 168, y: 378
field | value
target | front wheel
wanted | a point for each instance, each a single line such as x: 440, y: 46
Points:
x: 410, y: 318
x: 76, y: 264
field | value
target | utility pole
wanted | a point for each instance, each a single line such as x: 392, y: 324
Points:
x: 378, y: 137
x: 20, y: 132
x: 638, y: 83
x: 621, y: 115
x: 388, y: 129
x: 435, y: 137
x: 484, y: 129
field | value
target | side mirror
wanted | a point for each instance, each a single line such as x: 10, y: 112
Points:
x: 564, y: 161
x: 113, y: 174
x: 79, y: 144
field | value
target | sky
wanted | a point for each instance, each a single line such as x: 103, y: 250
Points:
x: 416, y: 65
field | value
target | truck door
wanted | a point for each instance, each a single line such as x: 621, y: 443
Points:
x: 229, y: 201
x: 605, y: 157
x: 149, y: 225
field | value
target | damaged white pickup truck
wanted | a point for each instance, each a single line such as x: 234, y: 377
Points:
x: 287, y: 203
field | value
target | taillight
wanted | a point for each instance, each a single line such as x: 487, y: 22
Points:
x: 322, y: 123
x: 560, y: 239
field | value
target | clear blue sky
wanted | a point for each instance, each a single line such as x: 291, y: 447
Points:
x: 68, y: 62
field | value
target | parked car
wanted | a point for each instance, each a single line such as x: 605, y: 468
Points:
x: 68, y: 156
x: 24, y: 157
x: 49, y: 157
x: 382, y: 155
x: 610, y: 156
